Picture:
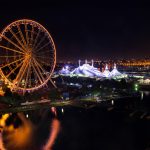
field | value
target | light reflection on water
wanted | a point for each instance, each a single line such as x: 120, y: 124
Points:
x: 22, y: 132
x: 54, y: 132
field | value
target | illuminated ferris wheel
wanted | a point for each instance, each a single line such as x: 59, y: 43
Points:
x: 28, y: 54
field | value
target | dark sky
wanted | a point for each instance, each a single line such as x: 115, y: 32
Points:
x: 88, y: 29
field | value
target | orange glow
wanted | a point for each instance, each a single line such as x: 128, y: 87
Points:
x: 1, y: 143
x: 21, y: 136
x: 10, y: 128
x: 55, y: 128
x: 1, y: 92
x: 3, y: 119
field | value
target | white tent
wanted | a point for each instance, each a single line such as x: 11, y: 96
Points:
x: 87, y: 70
x: 64, y: 71
x: 106, y: 72
x: 115, y: 72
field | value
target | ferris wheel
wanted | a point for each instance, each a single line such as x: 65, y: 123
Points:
x: 28, y: 55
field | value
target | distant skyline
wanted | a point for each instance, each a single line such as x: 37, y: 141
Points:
x: 86, y: 31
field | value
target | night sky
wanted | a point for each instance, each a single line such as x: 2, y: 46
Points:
x: 89, y: 29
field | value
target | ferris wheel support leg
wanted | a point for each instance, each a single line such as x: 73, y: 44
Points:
x: 53, y: 83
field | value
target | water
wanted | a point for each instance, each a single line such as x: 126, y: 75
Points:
x: 118, y: 125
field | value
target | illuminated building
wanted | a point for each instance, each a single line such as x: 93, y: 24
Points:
x: 87, y: 70
x: 144, y: 81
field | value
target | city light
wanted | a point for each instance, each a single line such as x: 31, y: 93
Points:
x: 62, y: 110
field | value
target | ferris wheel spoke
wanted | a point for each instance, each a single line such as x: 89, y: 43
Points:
x: 37, y: 74
x: 32, y: 31
x: 21, y: 72
x: 13, y: 70
x: 27, y: 77
x: 39, y: 43
x: 12, y: 43
x: 39, y: 65
x: 45, y: 63
x: 35, y: 42
x: 18, y: 40
x: 43, y: 58
x: 30, y: 74
x: 42, y: 47
x: 10, y: 49
x: 27, y: 35
x: 11, y: 63
x: 22, y: 36
x: 22, y: 69
x: 39, y: 70
x: 5, y: 56
x: 44, y: 52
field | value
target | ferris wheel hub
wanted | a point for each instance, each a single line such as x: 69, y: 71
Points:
x: 28, y: 54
